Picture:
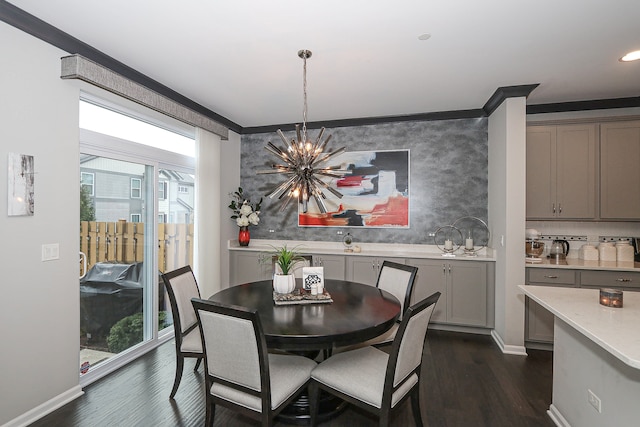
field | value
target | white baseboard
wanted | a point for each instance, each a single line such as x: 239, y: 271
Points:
x: 557, y: 417
x: 45, y: 408
x: 519, y: 350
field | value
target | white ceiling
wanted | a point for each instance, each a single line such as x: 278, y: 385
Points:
x: 239, y: 57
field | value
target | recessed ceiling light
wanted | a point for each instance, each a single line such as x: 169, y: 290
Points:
x: 425, y: 36
x: 631, y: 56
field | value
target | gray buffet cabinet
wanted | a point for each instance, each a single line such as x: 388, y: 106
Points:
x: 539, y: 321
x: 467, y: 303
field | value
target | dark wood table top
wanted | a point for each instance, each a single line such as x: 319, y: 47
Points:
x: 358, y: 312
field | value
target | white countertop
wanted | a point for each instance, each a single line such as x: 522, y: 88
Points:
x: 579, y: 264
x: 614, y: 329
x: 390, y: 250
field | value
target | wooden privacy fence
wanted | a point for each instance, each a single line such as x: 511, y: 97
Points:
x: 123, y: 242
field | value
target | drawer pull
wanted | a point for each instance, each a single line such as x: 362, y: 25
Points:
x: 551, y: 277
x: 624, y: 280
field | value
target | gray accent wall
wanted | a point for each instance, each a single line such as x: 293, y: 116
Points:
x: 448, y: 178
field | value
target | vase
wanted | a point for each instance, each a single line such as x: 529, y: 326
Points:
x: 284, y: 283
x: 243, y: 236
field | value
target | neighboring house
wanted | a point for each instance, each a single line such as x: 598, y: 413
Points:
x: 117, y: 191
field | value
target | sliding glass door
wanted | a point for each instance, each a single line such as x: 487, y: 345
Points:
x: 116, y: 238
x: 136, y: 222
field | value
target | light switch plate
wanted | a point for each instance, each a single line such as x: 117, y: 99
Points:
x: 50, y: 251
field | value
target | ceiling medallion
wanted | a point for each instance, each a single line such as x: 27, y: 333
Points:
x: 303, y: 162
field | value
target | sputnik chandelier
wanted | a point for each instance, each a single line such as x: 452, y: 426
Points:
x: 303, y: 160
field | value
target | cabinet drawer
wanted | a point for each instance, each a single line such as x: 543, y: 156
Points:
x: 610, y: 279
x: 552, y: 276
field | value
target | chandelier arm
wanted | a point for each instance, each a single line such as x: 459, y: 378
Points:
x: 285, y: 203
x: 273, y: 171
x: 330, y: 155
x: 329, y: 174
x: 281, y: 188
x: 324, y: 143
x: 328, y: 187
x: 299, y: 135
x: 287, y: 144
x: 278, y: 152
x: 320, y: 203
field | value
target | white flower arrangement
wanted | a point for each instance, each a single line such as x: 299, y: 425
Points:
x: 244, y: 212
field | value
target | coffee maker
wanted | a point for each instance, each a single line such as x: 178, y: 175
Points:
x: 533, y: 247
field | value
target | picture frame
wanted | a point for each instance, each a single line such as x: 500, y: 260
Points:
x: 375, y: 192
x: 312, y: 276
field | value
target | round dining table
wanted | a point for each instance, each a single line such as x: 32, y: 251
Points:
x: 356, y: 313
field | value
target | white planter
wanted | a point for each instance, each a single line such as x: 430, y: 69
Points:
x: 284, y: 284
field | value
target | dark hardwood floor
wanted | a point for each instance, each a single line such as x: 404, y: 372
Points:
x: 466, y: 381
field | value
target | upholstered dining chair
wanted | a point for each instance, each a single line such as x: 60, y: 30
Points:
x: 239, y: 372
x: 181, y: 286
x: 374, y: 380
x: 397, y: 279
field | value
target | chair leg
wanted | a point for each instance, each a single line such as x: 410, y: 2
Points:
x: 176, y: 381
x: 210, y: 413
x: 313, y: 403
x: 198, y: 363
x: 415, y: 405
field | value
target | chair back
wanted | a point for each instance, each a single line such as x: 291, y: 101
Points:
x: 398, y: 280
x: 234, y: 347
x: 406, y: 353
x: 181, y: 287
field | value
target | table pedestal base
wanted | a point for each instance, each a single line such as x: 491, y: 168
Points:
x: 298, y: 411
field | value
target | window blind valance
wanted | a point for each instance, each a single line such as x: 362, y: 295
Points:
x: 79, y: 67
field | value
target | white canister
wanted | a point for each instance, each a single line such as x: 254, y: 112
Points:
x: 624, y: 252
x: 588, y: 252
x: 607, y: 251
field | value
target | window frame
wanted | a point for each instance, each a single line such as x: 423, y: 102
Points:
x: 139, y: 188
x: 93, y: 182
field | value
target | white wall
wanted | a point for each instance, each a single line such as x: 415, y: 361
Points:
x: 507, y: 185
x: 39, y: 306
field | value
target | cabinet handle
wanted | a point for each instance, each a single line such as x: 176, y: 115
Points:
x: 624, y: 280
x: 551, y: 277
x: 559, y: 208
x: 553, y: 206
x: 444, y: 269
x: 449, y: 268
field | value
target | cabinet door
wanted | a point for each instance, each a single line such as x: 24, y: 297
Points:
x: 362, y: 269
x: 467, y: 293
x: 576, y: 172
x: 247, y: 267
x: 620, y: 170
x: 366, y: 269
x: 334, y: 265
x: 539, y: 322
x: 429, y: 279
x: 541, y: 152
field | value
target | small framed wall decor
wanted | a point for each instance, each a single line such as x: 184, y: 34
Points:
x: 20, y: 194
x: 312, y: 276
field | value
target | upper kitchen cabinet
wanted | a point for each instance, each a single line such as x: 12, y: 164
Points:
x: 561, y: 172
x: 620, y: 170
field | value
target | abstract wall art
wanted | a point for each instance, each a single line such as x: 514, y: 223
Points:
x: 20, y: 185
x: 375, y: 192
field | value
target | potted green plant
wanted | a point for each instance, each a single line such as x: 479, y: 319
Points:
x: 284, y: 281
